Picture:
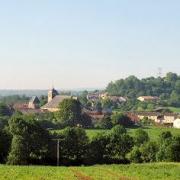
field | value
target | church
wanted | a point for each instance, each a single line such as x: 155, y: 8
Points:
x: 54, y: 99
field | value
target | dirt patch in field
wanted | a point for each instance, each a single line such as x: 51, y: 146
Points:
x: 79, y: 175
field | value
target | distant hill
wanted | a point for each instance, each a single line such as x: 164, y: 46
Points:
x: 28, y: 93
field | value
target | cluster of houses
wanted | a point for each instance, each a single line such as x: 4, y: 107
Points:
x: 99, y: 96
x: 169, y: 119
x: 54, y: 99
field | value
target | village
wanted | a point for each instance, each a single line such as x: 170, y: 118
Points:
x: 54, y: 98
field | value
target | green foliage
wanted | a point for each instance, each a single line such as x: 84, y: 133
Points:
x: 168, y: 88
x: 5, y: 110
x: 30, y: 143
x: 121, y: 119
x: 149, y: 151
x: 73, y: 145
x: 135, y: 155
x: 146, y: 122
x: 98, y: 148
x: 83, y: 98
x: 12, y: 99
x: 43, y: 100
x: 120, y: 143
x: 69, y: 112
x: 105, y: 123
x: 5, y: 142
x: 166, y: 135
x: 169, y: 148
x: 86, y: 121
x: 107, y: 103
x: 140, y: 137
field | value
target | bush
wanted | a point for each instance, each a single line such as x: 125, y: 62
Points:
x: 121, y: 119
x: 140, y: 137
x: 149, y: 151
x: 135, y: 155
x: 105, y: 123
x: 169, y: 150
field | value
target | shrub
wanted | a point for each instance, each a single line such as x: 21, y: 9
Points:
x: 141, y: 137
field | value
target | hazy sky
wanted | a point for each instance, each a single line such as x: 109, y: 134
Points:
x: 86, y: 43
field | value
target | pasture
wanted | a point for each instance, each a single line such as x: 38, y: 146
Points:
x: 164, y: 171
x: 152, y: 131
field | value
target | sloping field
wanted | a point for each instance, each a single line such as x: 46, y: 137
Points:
x: 153, y: 132
x: 164, y: 171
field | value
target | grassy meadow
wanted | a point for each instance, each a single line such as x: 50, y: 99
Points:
x: 153, y: 132
x: 164, y: 171
x: 174, y: 109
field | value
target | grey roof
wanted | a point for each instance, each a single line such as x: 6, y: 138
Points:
x: 34, y: 99
x: 54, y: 91
x: 55, y: 102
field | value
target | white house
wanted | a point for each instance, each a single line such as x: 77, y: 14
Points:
x: 147, y: 98
x: 176, y: 123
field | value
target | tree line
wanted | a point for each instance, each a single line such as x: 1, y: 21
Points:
x: 167, y: 88
x: 25, y: 142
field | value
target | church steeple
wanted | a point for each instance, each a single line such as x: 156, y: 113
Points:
x: 51, y: 94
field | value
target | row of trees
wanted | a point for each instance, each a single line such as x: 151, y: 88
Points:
x: 25, y: 142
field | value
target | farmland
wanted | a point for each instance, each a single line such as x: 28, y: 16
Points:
x: 165, y: 171
x: 153, y: 132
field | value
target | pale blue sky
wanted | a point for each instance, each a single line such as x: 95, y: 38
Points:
x: 86, y: 43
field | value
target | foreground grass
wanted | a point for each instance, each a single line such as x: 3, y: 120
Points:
x: 164, y: 171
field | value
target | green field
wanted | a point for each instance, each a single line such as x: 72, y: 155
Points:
x: 164, y: 171
x: 174, y: 109
x: 153, y: 132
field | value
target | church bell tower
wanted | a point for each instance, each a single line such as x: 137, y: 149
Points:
x: 51, y: 94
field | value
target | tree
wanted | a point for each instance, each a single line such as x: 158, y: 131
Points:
x: 98, y: 106
x: 140, y: 137
x: 120, y: 143
x: 121, y: 119
x: 166, y: 135
x: 149, y: 151
x: 73, y: 145
x: 30, y: 143
x: 105, y: 123
x: 5, y: 142
x: 83, y: 98
x: 98, y: 149
x: 135, y: 155
x: 43, y: 100
x: 86, y: 121
x: 173, y: 150
x: 107, y: 103
x: 171, y: 77
x: 169, y: 149
x: 70, y: 112
x: 5, y: 110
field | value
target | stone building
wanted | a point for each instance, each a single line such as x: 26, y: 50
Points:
x: 54, y: 99
x: 34, y: 103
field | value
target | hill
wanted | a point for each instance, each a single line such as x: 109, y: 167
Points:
x: 167, y: 88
